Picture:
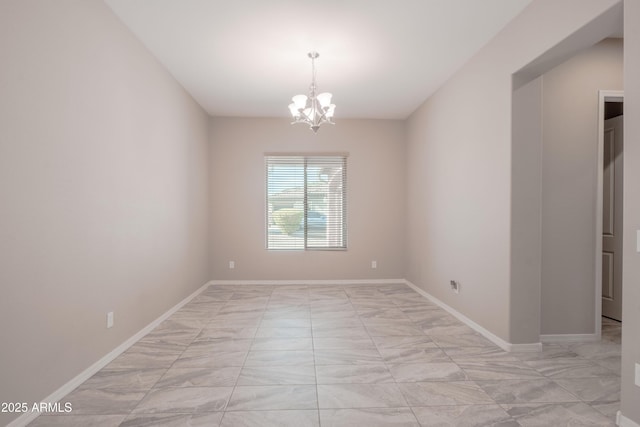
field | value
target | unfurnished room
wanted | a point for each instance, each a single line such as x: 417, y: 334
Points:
x: 311, y: 214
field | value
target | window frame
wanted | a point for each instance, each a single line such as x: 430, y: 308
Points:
x: 306, y: 159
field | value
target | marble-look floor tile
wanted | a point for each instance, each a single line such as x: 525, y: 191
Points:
x: 218, y: 345
x: 146, y: 355
x: 392, y: 329
x: 330, y: 305
x: 200, y: 315
x: 212, y: 359
x: 192, y: 326
x: 226, y: 332
x: 608, y: 409
x: 434, y: 317
x: 250, y: 308
x: 464, y: 416
x: 373, y: 315
x: 341, y: 333
x: 480, y: 354
x: 123, y: 379
x: 419, y: 312
x: 283, y: 332
x: 279, y: 358
x: 288, y: 418
x: 77, y: 421
x: 103, y: 402
x: 549, y: 352
x: 286, y: 323
x: 498, y: 370
x: 404, y: 342
x: 353, y: 374
x: 526, y: 391
x: 456, y: 329
x: 327, y: 313
x: 301, y: 312
x: 184, y: 400
x: 277, y: 375
x: 176, y: 336
x: 282, y: 344
x: 369, y: 417
x: 557, y: 414
x: 439, y: 393
x: 575, y: 367
x: 612, y: 363
x: 347, y: 356
x: 342, y: 342
x: 211, y: 419
x: 466, y: 340
x: 329, y: 323
x: 414, y: 355
x: 597, y: 350
x: 360, y: 396
x: 239, y: 315
x: 419, y: 372
x: 235, y: 324
x: 603, y: 389
x: 259, y: 398
x: 224, y: 376
x: 281, y: 300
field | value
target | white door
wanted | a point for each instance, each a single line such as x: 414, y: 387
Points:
x: 612, y: 219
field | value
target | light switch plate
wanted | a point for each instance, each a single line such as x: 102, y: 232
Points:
x: 638, y: 374
x: 637, y: 240
x: 110, y: 319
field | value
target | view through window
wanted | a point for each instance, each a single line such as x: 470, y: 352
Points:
x: 306, y: 202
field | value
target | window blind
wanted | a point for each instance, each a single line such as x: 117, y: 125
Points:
x: 306, y: 202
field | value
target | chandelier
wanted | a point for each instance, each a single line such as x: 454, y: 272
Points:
x: 313, y: 110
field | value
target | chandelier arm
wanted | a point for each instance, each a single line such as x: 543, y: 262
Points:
x: 312, y: 113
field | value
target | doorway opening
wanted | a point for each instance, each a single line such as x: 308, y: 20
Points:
x: 609, y: 219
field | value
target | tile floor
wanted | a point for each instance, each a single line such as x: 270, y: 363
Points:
x: 341, y: 356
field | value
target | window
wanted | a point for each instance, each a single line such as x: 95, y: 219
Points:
x: 306, y: 202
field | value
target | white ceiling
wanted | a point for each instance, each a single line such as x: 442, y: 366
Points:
x: 379, y: 58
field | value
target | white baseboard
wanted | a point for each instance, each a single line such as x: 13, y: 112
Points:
x: 506, y: 346
x: 623, y: 421
x: 565, y: 338
x: 311, y: 282
x: 67, y: 388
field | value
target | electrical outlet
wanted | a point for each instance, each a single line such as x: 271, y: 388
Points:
x: 455, y: 286
x: 110, y: 319
x: 232, y: 264
x: 374, y: 264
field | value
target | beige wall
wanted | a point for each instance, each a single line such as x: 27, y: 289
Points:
x: 526, y: 153
x: 460, y: 167
x: 569, y: 185
x: 103, y: 192
x: 375, y: 199
x: 631, y: 264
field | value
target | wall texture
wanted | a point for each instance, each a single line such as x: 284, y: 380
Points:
x: 569, y: 185
x: 103, y: 191
x: 631, y: 263
x: 459, y: 167
x: 375, y: 199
